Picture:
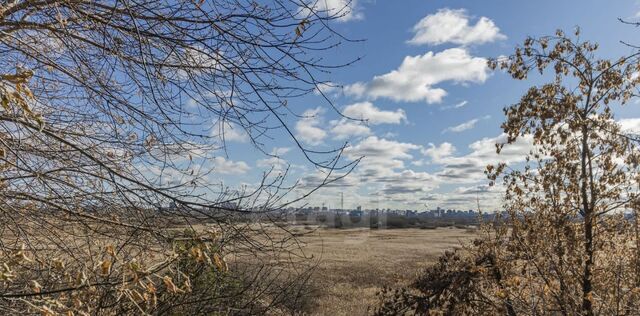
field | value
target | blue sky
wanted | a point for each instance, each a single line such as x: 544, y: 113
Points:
x: 433, y: 108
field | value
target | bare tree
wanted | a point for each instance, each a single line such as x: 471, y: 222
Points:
x: 114, y: 114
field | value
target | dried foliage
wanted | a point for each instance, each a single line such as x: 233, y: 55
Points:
x: 566, y: 246
x: 113, y: 114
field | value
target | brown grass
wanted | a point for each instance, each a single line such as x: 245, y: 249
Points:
x: 353, y: 264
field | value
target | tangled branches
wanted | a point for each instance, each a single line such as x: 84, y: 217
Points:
x: 112, y: 113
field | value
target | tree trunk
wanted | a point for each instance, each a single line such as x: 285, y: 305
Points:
x: 587, y: 304
x: 637, y: 235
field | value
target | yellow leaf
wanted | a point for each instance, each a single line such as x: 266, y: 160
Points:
x: 171, y: 287
x: 105, y: 267
x: 5, y: 102
x: 220, y: 263
x: 58, y: 264
x: 110, y: 250
x: 18, y: 78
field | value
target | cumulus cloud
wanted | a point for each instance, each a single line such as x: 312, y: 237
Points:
x: 333, y: 180
x: 452, y: 26
x: 368, y: 114
x: 418, y: 163
x: 272, y: 163
x: 381, y: 154
x: 344, y: 129
x: 277, y: 151
x: 477, y: 189
x: 469, y: 168
x: 630, y: 125
x: 407, y: 182
x: 308, y: 128
x: 342, y: 10
x: 485, y: 149
x: 466, y: 125
x: 225, y: 166
x: 275, y: 162
x: 440, y: 152
x: 373, y: 115
x: 465, y: 197
x: 414, y: 80
x: 384, y: 171
x: 227, y: 131
x: 382, y: 168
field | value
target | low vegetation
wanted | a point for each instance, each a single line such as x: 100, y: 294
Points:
x: 351, y: 266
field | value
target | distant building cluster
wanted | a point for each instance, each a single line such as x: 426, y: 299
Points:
x: 359, y: 212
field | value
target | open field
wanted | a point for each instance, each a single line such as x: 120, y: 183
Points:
x: 355, y: 263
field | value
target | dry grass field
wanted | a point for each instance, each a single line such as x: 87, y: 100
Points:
x: 353, y: 264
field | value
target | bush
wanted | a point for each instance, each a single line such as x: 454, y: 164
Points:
x: 394, y: 221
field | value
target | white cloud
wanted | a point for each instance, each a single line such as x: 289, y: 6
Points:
x: 224, y: 166
x: 366, y: 111
x: 381, y: 148
x: 385, y: 173
x: 382, y: 170
x: 358, y: 89
x: 307, y: 128
x: 277, y: 151
x: 344, y: 129
x: 407, y: 183
x: 455, y: 106
x: 380, y: 155
x: 333, y: 180
x: 478, y: 189
x: 485, y: 149
x: 465, y: 126
x: 462, y: 127
x: 228, y: 131
x: 342, y: 10
x: 373, y: 115
x: 275, y: 163
x: 452, y: 26
x: 418, y: 163
x: 440, y: 152
x: 413, y: 81
x: 630, y: 125
x: 470, y: 168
